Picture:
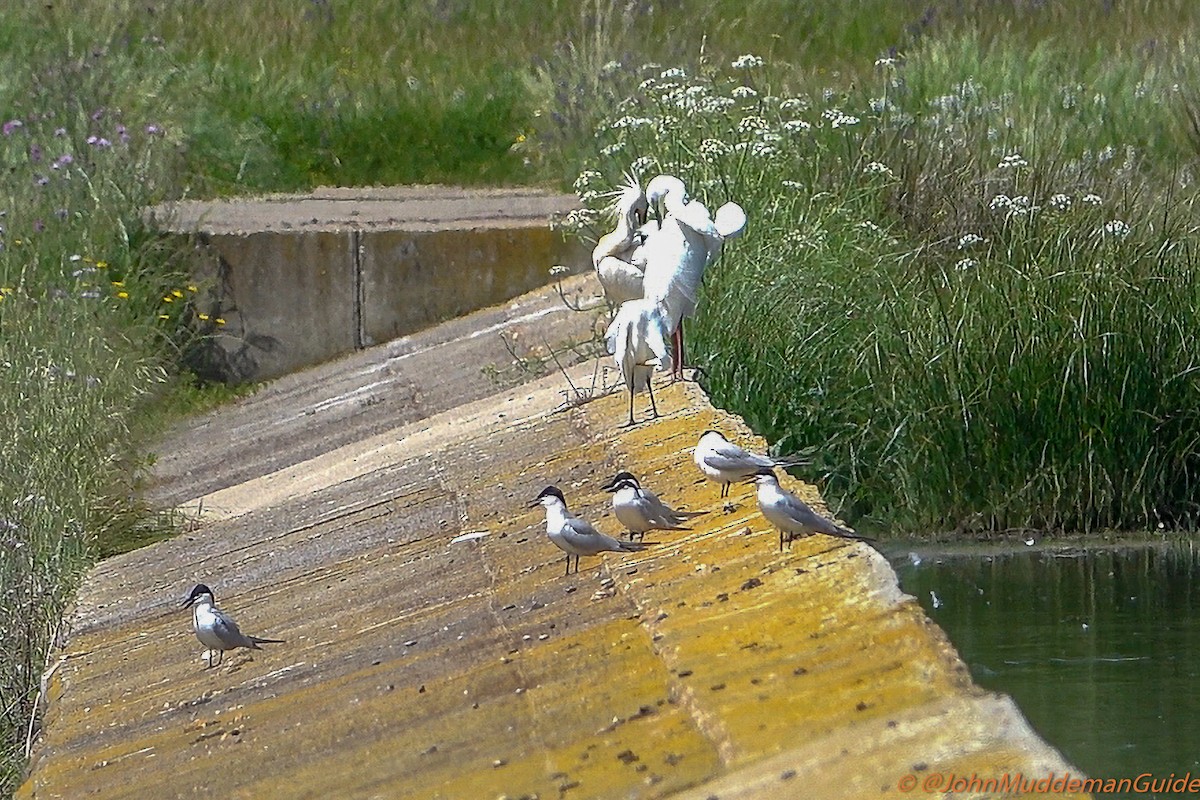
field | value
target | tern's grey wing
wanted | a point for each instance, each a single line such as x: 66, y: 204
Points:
x: 658, y: 512
x: 808, y: 519
x: 228, y: 632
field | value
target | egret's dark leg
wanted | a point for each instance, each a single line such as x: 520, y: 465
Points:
x: 630, y: 424
x: 650, y: 390
x: 679, y: 363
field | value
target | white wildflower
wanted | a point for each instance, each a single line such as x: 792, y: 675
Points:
x: 647, y: 85
x: 877, y: 168
x: 642, y: 164
x: 1060, y: 202
x: 787, y: 184
x: 747, y: 61
x: 1012, y: 161
x: 885, y: 62
x: 762, y: 149
x: 1116, y: 228
x: 793, y: 104
x: 673, y: 72
x: 751, y: 124
x: 612, y: 149
x: 743, y: 92
x: 1092, y: 199
x: 558, y: 270
x: 714, y: 148
x: 1000, y: 202
x: 796, y: 126
x: 969, y: 240
x: 965, y: 264
x: 1107, y: 154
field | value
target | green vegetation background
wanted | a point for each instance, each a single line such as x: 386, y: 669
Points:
x: 965, y: 363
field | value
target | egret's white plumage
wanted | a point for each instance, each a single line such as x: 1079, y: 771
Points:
x: 790, y: 515
x: 724, y: 462
x: 613, y: 256
x: 637, y: 341
x: 678, y: 252
x: 574, y: 536
x: 215, y: 629
x: 641, y: 510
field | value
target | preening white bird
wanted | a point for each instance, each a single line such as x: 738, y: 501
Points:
x: 574, y: 536
x: 613, y: 256
x: 724, y: 462
x: 215, y: 629
x: 637, y: 341
x: 679, y: 251
x: 640, y: 510
x: 790, y: 515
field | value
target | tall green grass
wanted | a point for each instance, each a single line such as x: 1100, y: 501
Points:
x: 970, y: 283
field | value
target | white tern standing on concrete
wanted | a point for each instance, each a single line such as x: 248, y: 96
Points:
x: 215, y: 629
x: 575, y: 536
x: 677, y: 254
x: 619, y: 273
x: 637, y: 341
x: 792, y: 516
x: 640, y: 509
x: 724, y: 462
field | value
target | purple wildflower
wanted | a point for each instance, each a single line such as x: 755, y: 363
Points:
x: 38, y: 226
x: 60, y: 132
x: 97, y: 114
x: 10, y: 126
x: 41, y: 180
x: 153, y: 129
x: 35, y: 153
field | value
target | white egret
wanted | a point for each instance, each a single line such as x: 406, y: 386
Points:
x: 677, y: 253
x: 612, y: 256
x: 637, y: 341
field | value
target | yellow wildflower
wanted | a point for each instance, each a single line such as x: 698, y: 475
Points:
x: 168, y: 299
x: 177, y: 293
x: 118, y: 283
x: 164, y: 316
x: 101, y: 265
x: 192, y: 288
x: 203, y: 317
x: 219, y: 320
x: 123, y: 295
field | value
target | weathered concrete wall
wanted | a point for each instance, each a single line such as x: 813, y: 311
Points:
x: 710, y: 665
x: 301, y: 279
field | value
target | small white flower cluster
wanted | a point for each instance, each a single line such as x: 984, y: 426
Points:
x: 747, y: 61
x: 969, y: 240
x: 793, y: 104
x: 751, y: 124
x: 838, y: 119
x: 1092, y: 199
x: 585, y: 179
x: 1012, y: 161
x: 612, y: 149
x: 743, y: 92
x: 1013, y: 206
x: 631, y: 122
x: 642, y: 164
x: 672, y: 73
x: 885, y: 62
x: 580, y: 218
x: 796, y: 126
x: 788, y: 184
x: 1116, y: 229
x: 711, y: 149
x: 965, y: 264
x: 558, y: 270
x: 1060, y: 202
x: 878, y: 168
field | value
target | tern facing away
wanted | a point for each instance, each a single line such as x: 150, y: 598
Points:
x: 574, y: 536
x: 724, y: 462
x: 676, y: 255
x: 637, y: 341
x: 790, y: 515
x: 640, y: 510
x: 619, y: 271
x: 215, y: 629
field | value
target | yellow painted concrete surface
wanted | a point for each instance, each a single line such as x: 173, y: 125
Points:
x: 710, y: 665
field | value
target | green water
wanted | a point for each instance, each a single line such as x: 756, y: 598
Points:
x: 1100, y: 648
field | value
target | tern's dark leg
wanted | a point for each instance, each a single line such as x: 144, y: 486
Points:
x: 568, y: 572
x: 781, y: 541
x: 724, y: 490
x: 650, y: 390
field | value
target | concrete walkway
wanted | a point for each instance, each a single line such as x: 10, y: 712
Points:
x: 710, y: 665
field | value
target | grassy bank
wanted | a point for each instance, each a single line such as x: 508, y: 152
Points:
x: 971, y: 282
x: 970, y: 338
